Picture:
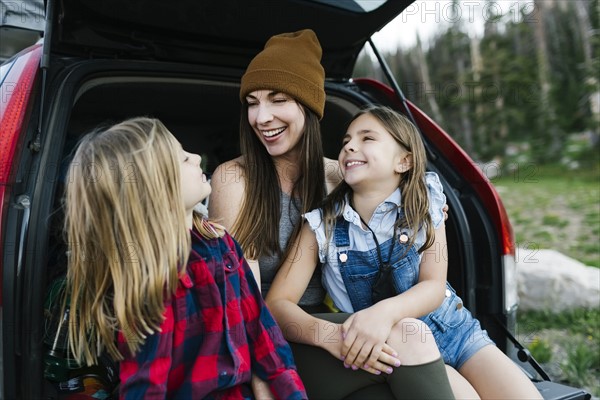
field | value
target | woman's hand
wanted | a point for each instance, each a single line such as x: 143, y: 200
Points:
x: 364, y: 336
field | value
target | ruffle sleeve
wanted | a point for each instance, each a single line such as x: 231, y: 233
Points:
x: 437, y: 199
x: 315, y: 220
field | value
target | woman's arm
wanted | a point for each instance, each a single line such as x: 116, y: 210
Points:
x: 225, y: 202
x: 365, y: 329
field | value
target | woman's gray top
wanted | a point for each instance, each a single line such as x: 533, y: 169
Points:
x: 289, y: 217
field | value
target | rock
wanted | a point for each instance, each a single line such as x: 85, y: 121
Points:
x: 550, y: 281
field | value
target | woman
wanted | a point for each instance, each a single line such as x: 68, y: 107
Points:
x: 282, y: 174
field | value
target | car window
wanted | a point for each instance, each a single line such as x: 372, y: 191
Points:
x: 362, y: 6
x: 4, y: 68
x: 365, y: 66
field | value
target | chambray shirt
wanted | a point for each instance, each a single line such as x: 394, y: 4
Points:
x: 381, y: 223
x: 217, y: 331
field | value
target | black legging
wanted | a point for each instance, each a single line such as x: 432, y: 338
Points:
x: 325, y: 377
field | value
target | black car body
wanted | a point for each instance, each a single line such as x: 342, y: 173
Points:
x: 181, y: 61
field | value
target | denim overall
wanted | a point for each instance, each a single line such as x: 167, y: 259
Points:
x: 457, y: 334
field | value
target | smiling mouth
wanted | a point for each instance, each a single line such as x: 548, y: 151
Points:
x: 349, y: 164
x: 273, y: 132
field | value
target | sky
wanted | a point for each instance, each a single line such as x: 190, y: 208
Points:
x: 428, y: 17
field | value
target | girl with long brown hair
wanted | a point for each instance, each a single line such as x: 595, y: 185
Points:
x: 381, y: 238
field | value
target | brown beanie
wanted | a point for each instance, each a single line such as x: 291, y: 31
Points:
x: 290, y: 63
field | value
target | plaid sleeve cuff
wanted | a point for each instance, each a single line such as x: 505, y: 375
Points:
x: 288, y: 385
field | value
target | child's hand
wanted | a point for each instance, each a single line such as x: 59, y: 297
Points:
x: 261, y: 389
x: 364, y: 335
x: 387, y: 358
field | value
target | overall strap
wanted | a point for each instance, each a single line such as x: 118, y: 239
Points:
x: 341, y: 236
x: 382, y: 264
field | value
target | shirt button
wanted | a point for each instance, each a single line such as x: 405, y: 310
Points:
x: 448, y: 293
x: 228, y: 266
x: 223, y: 373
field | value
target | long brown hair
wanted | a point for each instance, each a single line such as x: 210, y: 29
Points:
x: 412, y: 184
x: 126, y: 233
x: 257, y: 226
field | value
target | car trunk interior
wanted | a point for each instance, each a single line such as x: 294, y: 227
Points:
x: 204, y: 116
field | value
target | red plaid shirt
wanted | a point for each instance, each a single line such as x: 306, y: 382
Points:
x: 217, y: 332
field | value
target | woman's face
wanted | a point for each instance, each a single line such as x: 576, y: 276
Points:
x: 194, y: 185
x: 277, y: 119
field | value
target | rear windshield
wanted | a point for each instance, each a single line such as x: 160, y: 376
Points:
x: 359, y: 6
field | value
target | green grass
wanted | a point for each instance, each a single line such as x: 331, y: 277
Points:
x: 554, y: 208
x: 554, y: 220
x: 580, y: 363
x: 540, y: 350
x: 578, y: 322
x: 579, y: 359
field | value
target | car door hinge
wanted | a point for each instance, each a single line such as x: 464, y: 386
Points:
x: 36, y: 144
x: 23, y: 202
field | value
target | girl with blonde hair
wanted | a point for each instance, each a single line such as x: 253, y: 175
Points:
x: 153, y: 283
x: 381, y: 239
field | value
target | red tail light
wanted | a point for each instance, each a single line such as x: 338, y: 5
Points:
x: 15, y: 90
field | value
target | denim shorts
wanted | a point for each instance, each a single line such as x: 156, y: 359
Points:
x: 457, y: 334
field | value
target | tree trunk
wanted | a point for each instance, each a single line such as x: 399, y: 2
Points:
x: 424, y: 70
x: 465, y: 118
x: 502, y: 128
x: 585, y: 27
x: 586, y: 32
x: 548, y: 116
x: 475, y: 93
